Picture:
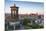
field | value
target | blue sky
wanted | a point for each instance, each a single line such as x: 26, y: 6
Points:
x: 25, y: 7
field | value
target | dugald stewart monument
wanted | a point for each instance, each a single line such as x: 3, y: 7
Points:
x: 14, y: 12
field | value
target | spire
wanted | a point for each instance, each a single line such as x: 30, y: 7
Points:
x: 14, y: 5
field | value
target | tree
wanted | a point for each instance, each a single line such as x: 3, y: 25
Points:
x: 26, y: 21
x: 35, y: 26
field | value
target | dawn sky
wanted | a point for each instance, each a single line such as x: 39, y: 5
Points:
x: 25, y: 7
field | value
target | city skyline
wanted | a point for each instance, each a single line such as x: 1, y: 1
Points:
x: 25, y: 7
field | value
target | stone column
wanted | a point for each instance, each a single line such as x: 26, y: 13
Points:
x: 7, y: 27
x: 14, y: 27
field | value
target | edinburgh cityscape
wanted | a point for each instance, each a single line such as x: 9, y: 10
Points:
x: 23, y: 15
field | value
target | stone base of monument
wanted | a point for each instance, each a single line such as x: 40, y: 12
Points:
x: 13, y: 24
